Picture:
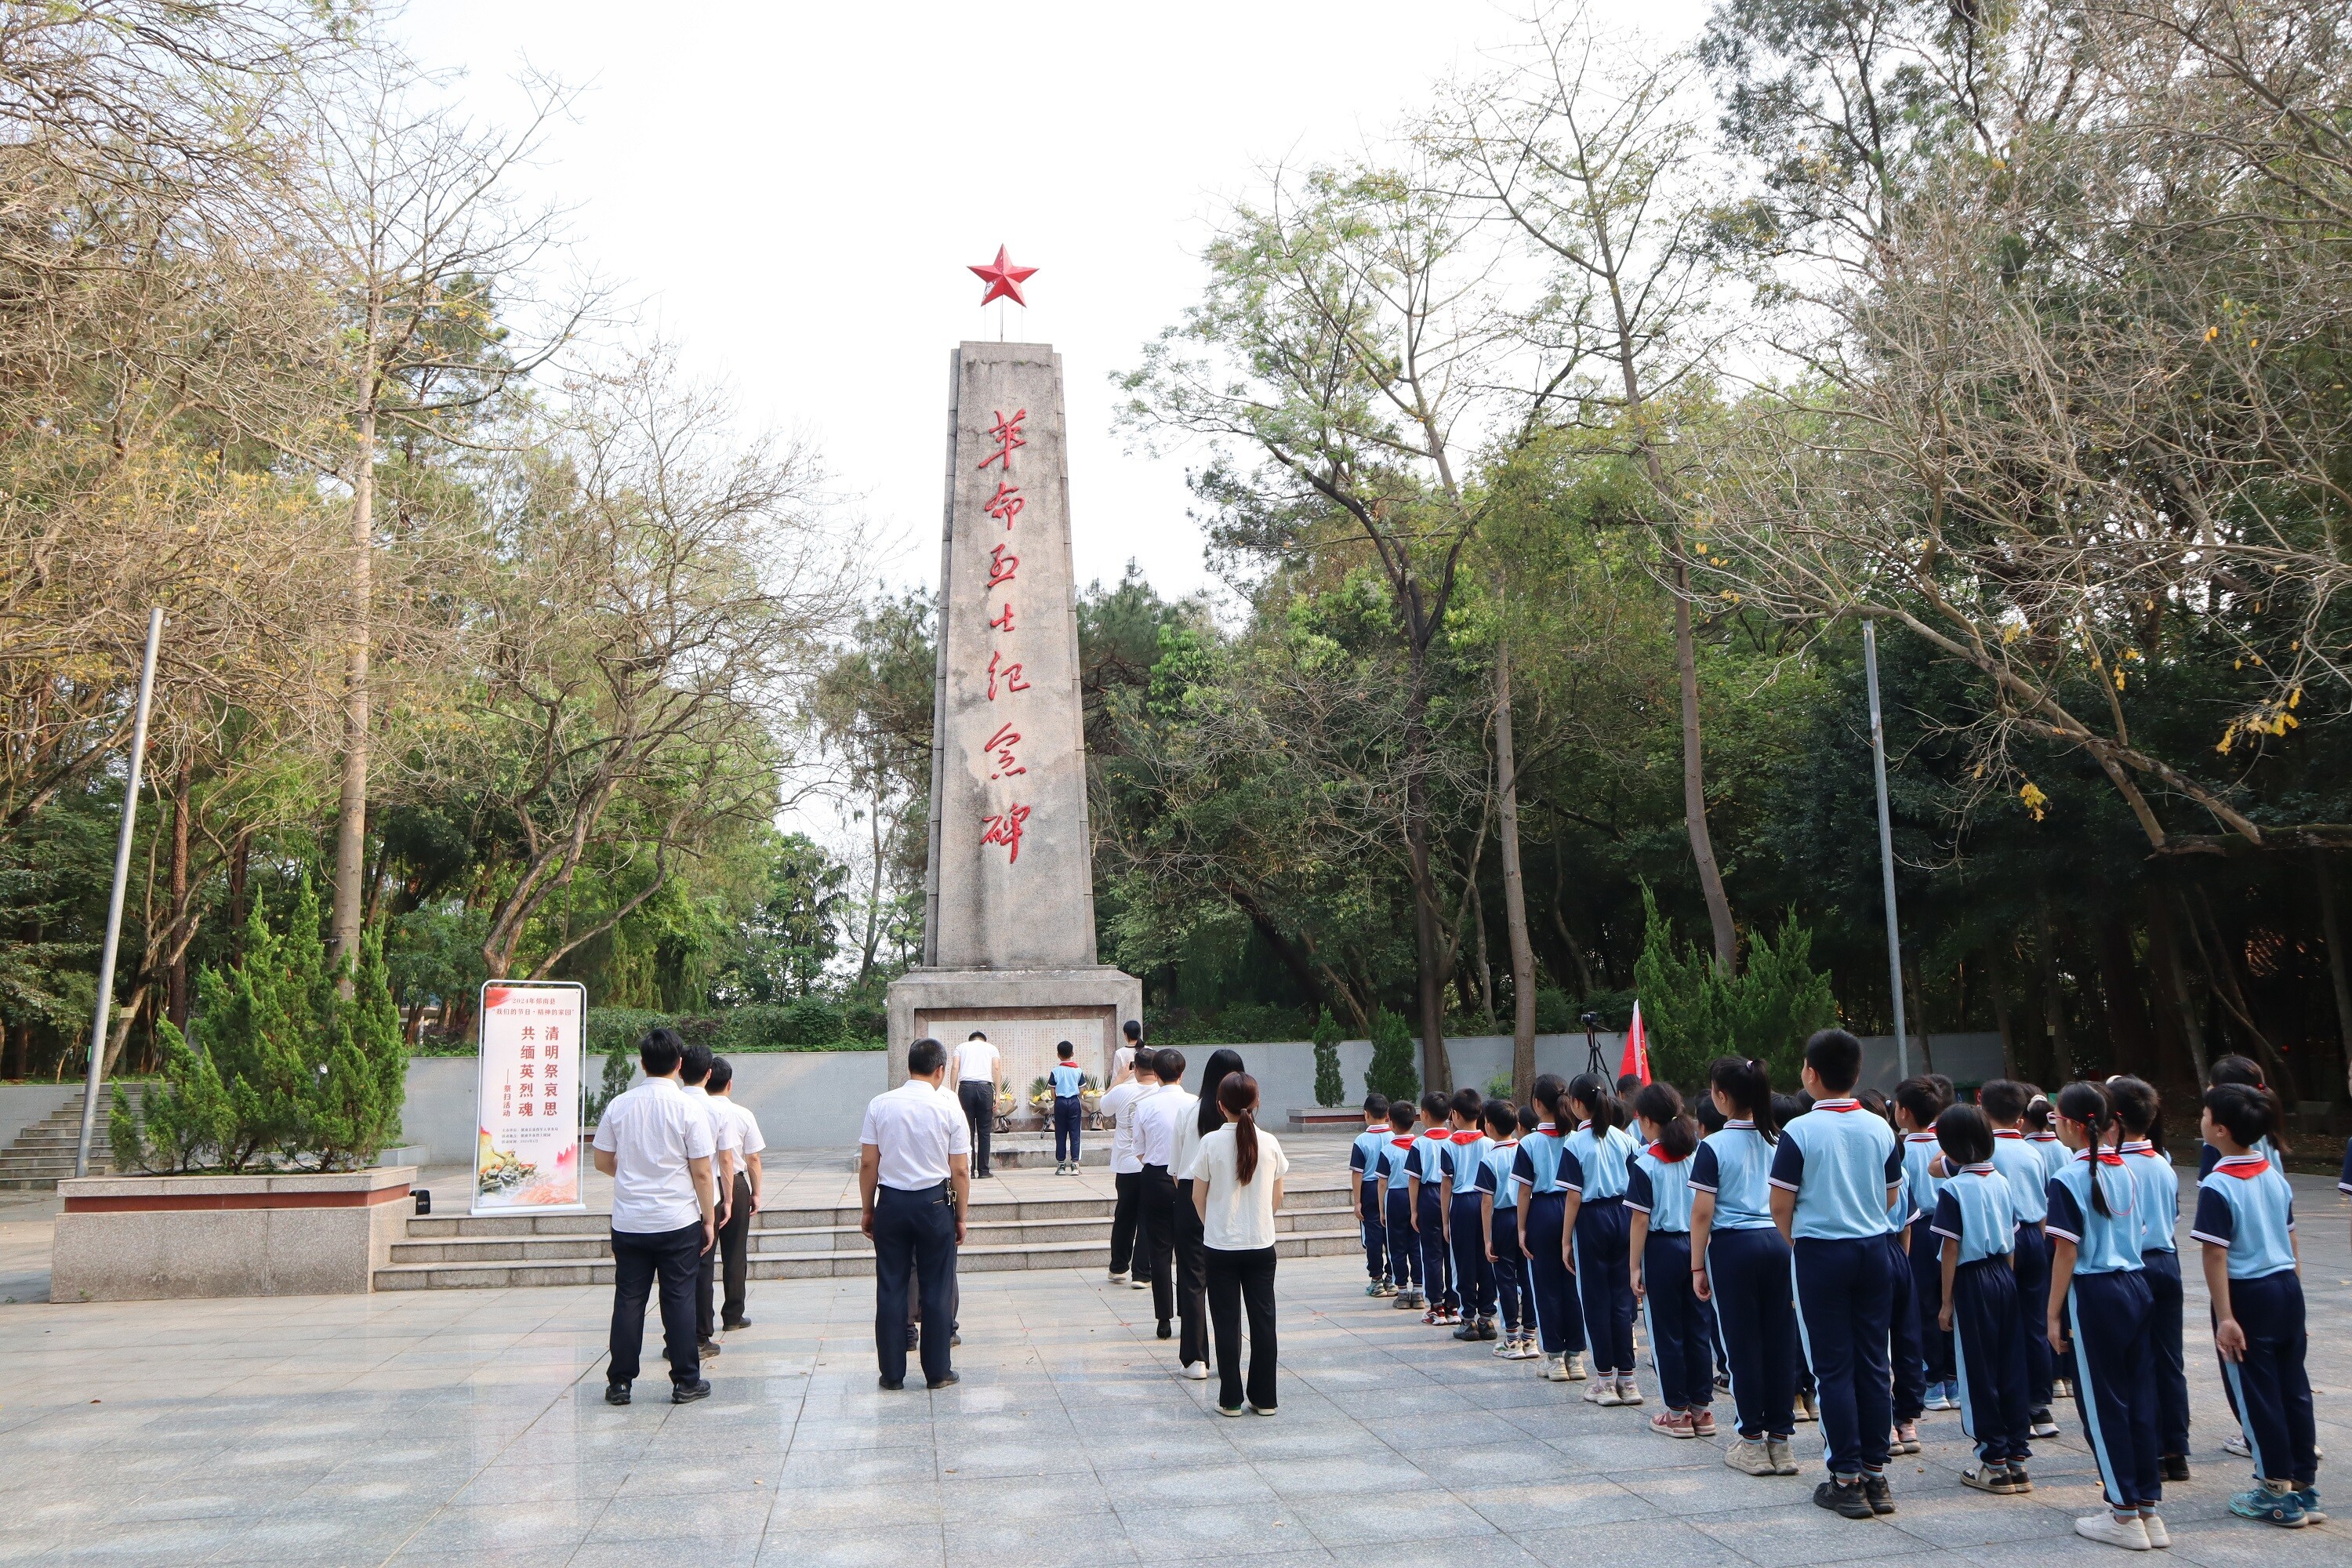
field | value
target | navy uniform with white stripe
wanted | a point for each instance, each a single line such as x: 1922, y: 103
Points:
x: 1535, y: 1169
x: 1746, y: 1265
x: 1396, y: 1206
x: 1658, y: 1185
x: 1921, y: 1188
x: 1462, y: 1157
x: 2093, y: 1209
x: 1424, y: 1164
x: 2020, y: 1162
x: 1976, y: 1223
x: 2245, y: 1211
x: 1843, y: 1168
x: 1364, y: 1169
x: 1592, y: 1167
x: 2159, y: 1257
x: 1498, y: 1197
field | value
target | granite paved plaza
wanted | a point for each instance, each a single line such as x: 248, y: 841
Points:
x: 467, y: 1427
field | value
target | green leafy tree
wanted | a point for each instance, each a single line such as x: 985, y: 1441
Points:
x: 1392, y: 1072
x: 1695, y: 1015
x: 1329, y: 1088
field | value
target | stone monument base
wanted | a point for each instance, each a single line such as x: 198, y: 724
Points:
x: 1024, y: 1013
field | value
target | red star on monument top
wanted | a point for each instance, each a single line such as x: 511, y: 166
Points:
x: 1003, y: 279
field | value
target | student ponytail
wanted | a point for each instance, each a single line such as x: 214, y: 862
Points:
x: 1749, y: 1087
x: 1662, y: 1103
x: 1238, y: 1095
x: 2139, y: 1108
x: 2088, y: 1104
x: 1600, y: 1101
x: 1547, y: 1092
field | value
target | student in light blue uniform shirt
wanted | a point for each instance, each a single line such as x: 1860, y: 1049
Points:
x: 1543, y: 1211
x: 1592, y: 1170
x: 1739, y: 1262
x: 1975, y: 1224
x: 2004, y: 1103
x: 1499, y: 1198
x: 1364, y: 1170
x: 1836, y: 1177
x: 1424, y: 1172
x: 1068, y: 1109
x: 1658, y: 1197
x: 2245, y: 1217
x: 1396, y: 1207
x: 1918, y: 1102
x: 2101, y: 1308
x: 2140, y: 1112
x: 1460, y: 1156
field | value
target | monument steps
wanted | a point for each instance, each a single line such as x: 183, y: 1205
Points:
x: 491, y: 1252
x: 44, y: 1153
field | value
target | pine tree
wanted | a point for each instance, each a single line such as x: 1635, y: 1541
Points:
x: 1392, y: 1072
x: 1330, y: 1087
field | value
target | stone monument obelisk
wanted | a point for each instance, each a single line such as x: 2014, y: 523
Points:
x: 1009, y: 908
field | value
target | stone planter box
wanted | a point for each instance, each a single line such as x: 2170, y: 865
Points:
x: 135, y: 1238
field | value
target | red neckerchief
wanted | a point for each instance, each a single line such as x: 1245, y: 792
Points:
x: 2104, y: 1156
x: 1918, y: 1137
x: 1506, y: 1143
x: 1440, y: 1132
x: 1401, y: 1141
x: 1837, y: 1105
x: 1658, y: 1153
x: 1547, y: 1126
x: 1985, y: 1169
x: 1467, y: 1135
x: 2141, y: 1146
x: 2245, y: 1167
x: 2006, y: 1133
x: 2041, y: 1137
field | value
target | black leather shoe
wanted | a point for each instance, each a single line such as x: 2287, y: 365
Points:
x: 892, y: 1384
x: 2176, y: 1467
x: 953, y: 1377
x: 1166, y: 1332
x: 738, y: 1323
x: 687, y: 1393
x: 1874, y: 1488
x: 617, y: 1393
x: 710, y: 1348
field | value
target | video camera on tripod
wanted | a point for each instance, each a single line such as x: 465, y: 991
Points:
x: 1593, y: 1062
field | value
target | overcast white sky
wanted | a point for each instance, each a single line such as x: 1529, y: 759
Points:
x: 793, y: 192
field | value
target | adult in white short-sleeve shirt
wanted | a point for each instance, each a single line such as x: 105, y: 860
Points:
x: 975, y: 1074
x: 657, y: 1145
x: 914, y: 1188
x: 1126, y: 1171
x: 739, y: 1142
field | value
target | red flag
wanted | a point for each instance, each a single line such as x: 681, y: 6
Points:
x: 1636, y: 1059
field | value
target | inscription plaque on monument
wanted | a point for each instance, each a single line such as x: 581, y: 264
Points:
x: 1008, y: 918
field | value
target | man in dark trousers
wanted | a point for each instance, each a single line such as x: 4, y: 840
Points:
x: 656, y: 1144
x: 1118, y: 1103
x: 914, y: 1184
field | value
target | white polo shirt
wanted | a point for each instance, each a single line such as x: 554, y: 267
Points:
x: 1118, y: 1104
x: 651, y: 1132
x: 916, y: 1127
x: 976, y: 1062
x: 724, y: 1135
x: 1239, y: 1218
x: 748, y: 1141
x: 1157, y: 1117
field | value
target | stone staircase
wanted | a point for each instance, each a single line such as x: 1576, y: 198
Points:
x: 43, y: 1153
x: 461, y: 1252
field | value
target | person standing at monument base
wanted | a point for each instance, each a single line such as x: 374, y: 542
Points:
x: 1156, y: 1119
x: 914, y: 1188
x: 1125, y: 1170
x: 657, y: 1145
x: 978, y: 1073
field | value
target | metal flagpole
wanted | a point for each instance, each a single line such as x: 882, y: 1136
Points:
x: 114, y: 904
x: 1887, y: 851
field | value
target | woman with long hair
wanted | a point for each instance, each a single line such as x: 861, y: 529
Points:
x: 1236, y: 1188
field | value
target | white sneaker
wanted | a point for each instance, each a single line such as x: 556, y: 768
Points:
x: 1118, y: 1278
x: 1555, y: 1370
x: 2128, y: 1533
x: 2236, y: 1444
x: 2158, y: 1536
x: 1784, y: 1463
x: 1139, y: 1284
x: 1198, y: 1371
x: 1527, y: 1351
x: 1604, y: 1391
x: 1576, y: 1366
x: 1628, y: 1390
x: 1750, y: 1458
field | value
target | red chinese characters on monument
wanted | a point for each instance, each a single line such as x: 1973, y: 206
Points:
x: 1002, y: 620
x: 1006, y: 504
x: 1002, y: 564
x: 1006, y: 433
x: 1001, y: 743
x: 1009, y: 671
x: 1006, y: 828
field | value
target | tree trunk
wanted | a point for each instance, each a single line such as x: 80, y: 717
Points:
x: 2054, y: 996
x: 2127, y: 1019
x: 2000, y: 1020
x: 1514, y: 890
x: 2172, y: 979
x: 2339, y: 970
x: 1701, y: 842
x: 1436, y: 1069
x: 175, y: 976
x: 1486, y: 997
x: 350, y: 810
x: 240, y: 865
